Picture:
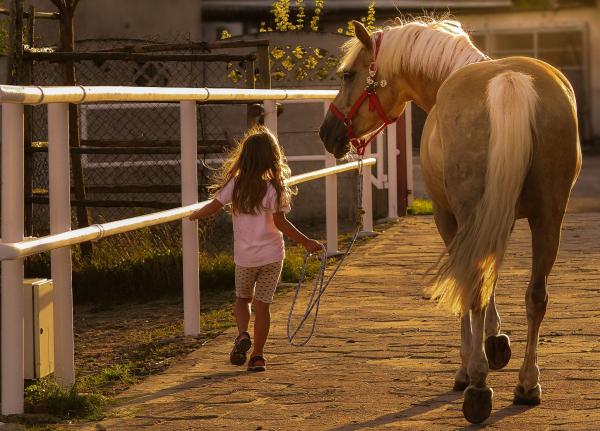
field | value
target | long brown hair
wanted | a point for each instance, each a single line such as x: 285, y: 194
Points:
x: 256, y: 159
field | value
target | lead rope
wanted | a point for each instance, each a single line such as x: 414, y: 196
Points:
x: 320, y: 284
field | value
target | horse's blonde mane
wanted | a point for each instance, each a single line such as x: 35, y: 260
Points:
x: 428, y: 47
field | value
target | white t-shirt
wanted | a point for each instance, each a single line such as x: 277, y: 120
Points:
x: 256, y: 239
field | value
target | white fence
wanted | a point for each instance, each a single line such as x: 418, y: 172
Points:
x: 14, y: 247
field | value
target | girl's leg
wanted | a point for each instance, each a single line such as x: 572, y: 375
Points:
x: 266, y: 283
x: 262, y: 324
x: 245, y: 279
x: 242, y: 313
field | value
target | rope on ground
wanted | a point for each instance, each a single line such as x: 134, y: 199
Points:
x: 320, y: 283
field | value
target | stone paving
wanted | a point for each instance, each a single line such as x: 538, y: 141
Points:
x: 384, y: 357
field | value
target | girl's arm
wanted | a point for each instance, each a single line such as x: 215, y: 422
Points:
x: 208, y: 210
x: 289, y: 230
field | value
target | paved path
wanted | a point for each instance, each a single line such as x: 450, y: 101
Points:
x: 384, y: 357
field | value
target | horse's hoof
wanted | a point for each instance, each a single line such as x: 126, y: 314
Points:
x: 477, y: 405
x: 497, y: 350
x: 532, y: 397
x: 460, y: 385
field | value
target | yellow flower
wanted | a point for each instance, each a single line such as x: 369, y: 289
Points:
x: 371, y: 16
x: 277, y: 53
x: 278, y: 75
x: 288, y: 63
x: 311, y: 62
x: 301, y: 74
x: 298, y: 52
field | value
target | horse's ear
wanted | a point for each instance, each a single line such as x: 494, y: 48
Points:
x: 363, y: 35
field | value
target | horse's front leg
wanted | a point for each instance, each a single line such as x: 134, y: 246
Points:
x: 477, y: 404
x: 461, y: 378
x: 497, y: 345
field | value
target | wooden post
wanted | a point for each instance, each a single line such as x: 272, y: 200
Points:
x: 401, y: 165
x: 15, y: 43
x: 264, y: 67
x: 264, y: 77
x: 251, y: 109
x: 28, y: 130
x: 67, y: 44
x: 11, y: 348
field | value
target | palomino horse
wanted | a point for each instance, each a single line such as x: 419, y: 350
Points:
x: 500, y: 143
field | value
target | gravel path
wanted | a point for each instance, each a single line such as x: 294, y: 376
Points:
x: 384, y: 357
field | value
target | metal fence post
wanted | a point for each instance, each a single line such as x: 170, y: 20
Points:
x: 331, y: 209
x: 59, y: 193
x: 271, y: 115
x: 12, y: 271
x: 189, y: 195
x: 367, y: 195
x: 392, y: 169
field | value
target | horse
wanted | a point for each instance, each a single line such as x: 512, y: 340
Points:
x: 500, y: 143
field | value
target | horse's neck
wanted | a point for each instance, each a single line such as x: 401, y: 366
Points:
x: 423, y: 91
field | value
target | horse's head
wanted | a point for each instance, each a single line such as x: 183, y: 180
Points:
x: 354, y: 114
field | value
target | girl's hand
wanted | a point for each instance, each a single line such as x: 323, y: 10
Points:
x: 312, y: 246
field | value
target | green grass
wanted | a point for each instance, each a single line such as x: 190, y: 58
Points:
x: 146, y: 265
x: 46, y: 395
x: 106, y: 377
x: 420, y: 207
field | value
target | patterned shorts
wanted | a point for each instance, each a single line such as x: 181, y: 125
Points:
x: 258, y: 282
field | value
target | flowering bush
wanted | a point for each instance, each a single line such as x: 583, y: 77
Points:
x: 300, y: 62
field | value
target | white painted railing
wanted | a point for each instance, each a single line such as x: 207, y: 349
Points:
x: 13, y: 247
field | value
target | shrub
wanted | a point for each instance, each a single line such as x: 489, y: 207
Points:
x: 48, y: 396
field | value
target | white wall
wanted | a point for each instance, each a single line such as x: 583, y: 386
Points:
x: 129, y: 19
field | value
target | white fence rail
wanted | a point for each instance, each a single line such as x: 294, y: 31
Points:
x: 13, y: 247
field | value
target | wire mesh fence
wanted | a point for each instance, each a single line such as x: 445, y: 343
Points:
x: 130, y: 152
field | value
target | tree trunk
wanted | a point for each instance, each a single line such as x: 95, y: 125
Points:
x: 67, y: 36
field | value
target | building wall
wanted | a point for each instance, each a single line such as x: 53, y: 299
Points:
x: 589, y: 18
x: 128, y: 19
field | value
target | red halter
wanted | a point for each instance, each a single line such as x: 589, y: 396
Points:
x: 374, y: 104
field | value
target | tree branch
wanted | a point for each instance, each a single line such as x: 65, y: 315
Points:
x: 60, y: 5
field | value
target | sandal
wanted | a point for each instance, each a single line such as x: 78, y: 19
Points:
x: 252, y: 366
x: 241, y: 345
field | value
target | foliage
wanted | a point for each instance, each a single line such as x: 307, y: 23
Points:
x: 3, y: 33
x: 48, y: 396
x: 299, y: 62
x: 283, y: 19
x: 420, y: 207
x: 368, y: 21
x: 148, y: 265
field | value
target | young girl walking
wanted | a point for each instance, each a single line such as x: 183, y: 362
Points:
x: 252, y: 181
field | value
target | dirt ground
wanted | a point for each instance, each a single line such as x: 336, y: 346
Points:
x: 384, y: 357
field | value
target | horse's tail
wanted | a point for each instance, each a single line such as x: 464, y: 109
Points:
x: 466, y: 279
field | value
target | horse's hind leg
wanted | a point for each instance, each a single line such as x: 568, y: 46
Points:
x: 545, y: 237
x: 446, y: 225
x: 497, y: 345
x: 461, y: 378
x: 477, y: 404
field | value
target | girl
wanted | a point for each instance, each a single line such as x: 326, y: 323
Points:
x: 252, y: 181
